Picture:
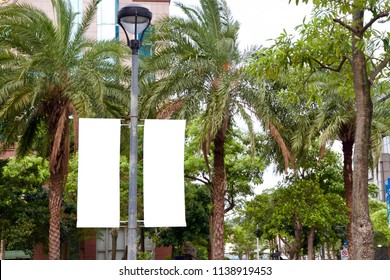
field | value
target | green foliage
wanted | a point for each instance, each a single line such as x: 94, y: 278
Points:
x: 373, y: 190
x: 311, y: 199
x: 378, y: 214
x: 24, y: 211
x: 243, y: 241
x: 243, y: 171
x: 197, y: 217
x: 144, y: 256
x: 44, y: 60
x: 376, y: 205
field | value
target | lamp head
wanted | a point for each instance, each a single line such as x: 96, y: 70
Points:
x: 135, y: 20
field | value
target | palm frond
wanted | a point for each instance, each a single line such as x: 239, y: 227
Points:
x: 88, y: 16
x: 249, y: 123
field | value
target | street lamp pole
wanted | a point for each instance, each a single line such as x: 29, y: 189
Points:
x: 135, y: 20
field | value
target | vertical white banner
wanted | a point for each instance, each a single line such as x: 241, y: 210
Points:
x: 164, y: 201
x: 98, y: 173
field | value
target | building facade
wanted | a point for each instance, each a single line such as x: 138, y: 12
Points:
x: 381, y: 173
x: 104, y: 25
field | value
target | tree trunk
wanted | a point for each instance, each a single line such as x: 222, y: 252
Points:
x: 2, y: 250
x: 142, y: 239
x: 323, y: 251
x: 125, y: 254
x: 210, y: 241
x: 218, y: 193
x: 362, y: 230
x: 248, y: 254
x: 114, y: 242
x: 298, y: 237
x: 55, y: 203
x: 310, y: 244
x: 59, y: 162
x: 348, y: 184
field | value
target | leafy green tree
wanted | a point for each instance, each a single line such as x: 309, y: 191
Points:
x: 305, y: 205
x: 23, y: 206
x: 197, y: 231
x: 243, y: 240
x: 25, y: 222
x: 322, y: 45
x: 379, y: 218
x: 49, y: 73
x: 296, y: 213
x: 197, y: 64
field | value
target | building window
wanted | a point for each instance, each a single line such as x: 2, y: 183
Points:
x: 107, y: 28
x: 386, y: 145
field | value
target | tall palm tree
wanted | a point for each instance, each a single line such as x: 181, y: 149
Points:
x: 50, y: 74
x: 197, y: 65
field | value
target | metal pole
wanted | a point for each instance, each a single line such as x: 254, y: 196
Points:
x: 132, y: 225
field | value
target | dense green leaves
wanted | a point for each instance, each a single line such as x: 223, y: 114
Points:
x: 243, y: 172
x: 311, y: 200
x: 23, y: 205
x: 379, y: 219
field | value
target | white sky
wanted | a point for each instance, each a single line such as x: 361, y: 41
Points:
x: 260, y: 20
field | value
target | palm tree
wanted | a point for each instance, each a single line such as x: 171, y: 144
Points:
x: 335, y: 120
x: 197, y: 65
x: 50, y: 74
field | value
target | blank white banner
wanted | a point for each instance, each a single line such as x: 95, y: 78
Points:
x: 164, y: 201
x: 98, y: 173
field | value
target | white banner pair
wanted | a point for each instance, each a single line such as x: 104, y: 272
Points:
x: 98, y: 173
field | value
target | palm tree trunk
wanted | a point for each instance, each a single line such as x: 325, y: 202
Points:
x: 59, y: 162
x: 218, y: 191
x: 55, y: 203
x: 348, y: 184
x: 210, y: 241
x: 218, y: 209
